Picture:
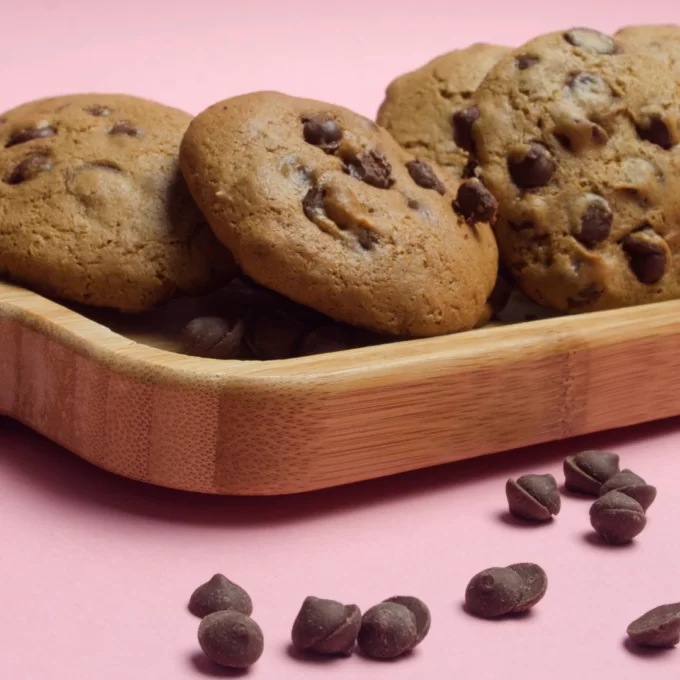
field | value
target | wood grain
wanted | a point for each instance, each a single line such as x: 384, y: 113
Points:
x: 280, y: 427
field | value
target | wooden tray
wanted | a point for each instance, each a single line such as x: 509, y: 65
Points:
x: 288, y: 426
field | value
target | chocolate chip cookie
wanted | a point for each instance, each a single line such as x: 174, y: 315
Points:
x: 422, y: 108
x: 93, y: 208
x: 576, y: 136
x: 662, y: 40
x: 323, y: 206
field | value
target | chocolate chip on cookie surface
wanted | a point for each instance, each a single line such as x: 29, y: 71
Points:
x: 93, y: 207
x: 426, y: 110
x: 323, y: 206
x: 662, y: 40
x: 577, y: 138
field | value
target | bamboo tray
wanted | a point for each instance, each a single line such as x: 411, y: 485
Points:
x: 261, y: 428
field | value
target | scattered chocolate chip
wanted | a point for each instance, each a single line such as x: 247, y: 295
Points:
x: 525, y: 61
x: 653, y: 129
x: 29, y: 168
x: 322, y: 131
x: 213, y: 337
x: 326, y: 627
x: 632, y: 485
x: 533, y: 497
x: 274, y: 334
x: 591, y: 40
x: 29, y: 134
x: 535, y: 582
x: 494, y: 592
x: 231, y: 639
x: 423, y: 175
x: 587, y: 471
x: 596, y: 221
x: 387, y: 630
x: 371, y: 167
x: 531, y: 165
x: 587, y: 296
x: 659, y: 627
x: 420, y: 611
x: 124, y: 127
x: 618, y: 518
x: 647, y: 257
x: 99, y: 111
x: 475, y: 203
x: 219, y: 594
x: 463, y: 121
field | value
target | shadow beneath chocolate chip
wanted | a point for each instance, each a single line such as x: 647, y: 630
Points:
x: 69, y: 481
x: 311, y: 657
x: 210, y: 669
x: 402, y: 658
x: 514, y: 616
x: 509, y: 519
x: 568, y: 493
x: 593, y: 538
x: 645, y: 652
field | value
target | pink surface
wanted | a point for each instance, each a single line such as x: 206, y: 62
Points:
x: 95, y: 571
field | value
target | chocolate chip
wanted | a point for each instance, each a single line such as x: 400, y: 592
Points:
x: 475, y: 203
x: 213, y: 337
x: 326, y: 627
x: 124, y: 127
x: 525, y: 61
x: 274, y: 334
x: 463, y: 121
x: 591, y: 40
x: 596, y: 221
x: 494, y: 592
x: 531, y: 166
x: 646, y: 256
x: 367, y: 239
x: 29, y: 134
x: 312, y: 203
x: 420, y: 611
x: 587, y: 471
x: 471, y: 169
x: 322, y: 131
x: 219, y: 594
x: 632, y: 485
x: 231, y: 639
x: 413, y: 204
x: 387, y: 630
x: 533, y: 497
x: 587, y: 296
x: 653, y: 129
x: 535, y: 585
x: 29, y: 168
x: 423, y: 175
x: 371, y: 167
x: 617, y: 518
x: 99, y: 111
x: 659, y: 627
x: 524, y: 225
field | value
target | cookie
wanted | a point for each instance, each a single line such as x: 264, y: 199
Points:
x: 420, y: 108
x: 323, y: 206
x: 93, y: 208
x: 662, y: 40
x: 576, y: 136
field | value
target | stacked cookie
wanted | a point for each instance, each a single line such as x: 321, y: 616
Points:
x: 561, y: 155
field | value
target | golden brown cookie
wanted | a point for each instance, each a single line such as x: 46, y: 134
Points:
x: 420, y: 106
x: 323, y: 206
x: 576, y: 135
x: 93, y: 208
x: 662, y: 40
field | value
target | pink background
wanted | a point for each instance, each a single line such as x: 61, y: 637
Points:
x: 95, y: 571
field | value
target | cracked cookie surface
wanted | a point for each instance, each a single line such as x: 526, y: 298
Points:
x: 323, y: 206
x: 420, y: 107
x: 93, y: 208
x: 576, y: 135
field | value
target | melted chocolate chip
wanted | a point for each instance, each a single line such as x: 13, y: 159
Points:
x: 531, y: 166
x: 322, y: 131
x: 124, y: 127
x: 474, y: 202
x: 525, y: 61
x: 591, y: 40
x: 29, y: 134
x: 647, y: 258
x: 99, y: 111
x: 596, y: 222
x: 371, y: 167
x: 471, y: 169
x: 367, y: 239
x: 423, y: 175
x: 312, y: 203
x: 653, y: 129
x: 463, y: 120
x: 587, y: 296
x: 29, y: 168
